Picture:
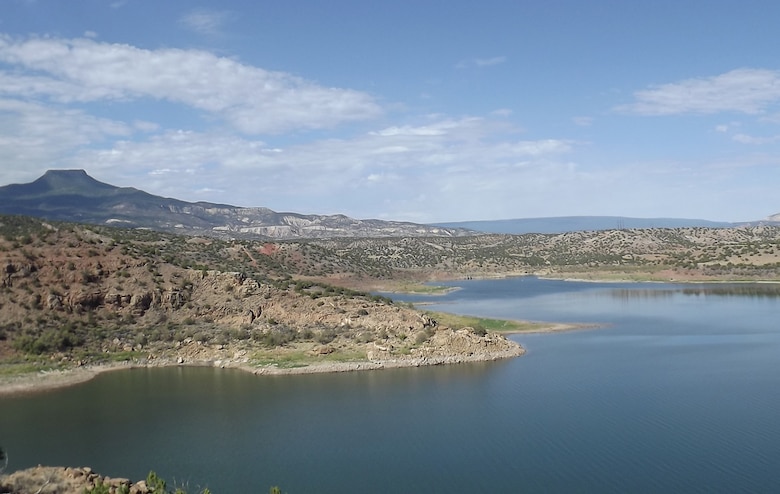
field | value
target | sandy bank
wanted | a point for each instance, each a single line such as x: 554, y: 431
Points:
x: 35, y: 382
x: 557, y: 328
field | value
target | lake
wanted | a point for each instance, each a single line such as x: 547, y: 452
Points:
x: 678, y: 391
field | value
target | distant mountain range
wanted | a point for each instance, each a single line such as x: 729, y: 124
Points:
x: 564, y: 224
x: 72, y: 195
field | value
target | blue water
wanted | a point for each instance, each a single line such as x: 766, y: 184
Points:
x: 679, y: 391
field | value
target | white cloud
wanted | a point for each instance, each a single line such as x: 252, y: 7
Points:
x: 33, y: 135
x: 480, y: 62
x: 477, y: 169
x: 145, y: 126
x: 251, y: 99
x: 435, y: 130
x: 423, y: 168
x: 748, y: 91
x: 502, y: 112
x: 375, y: 172
x: 747, y: 139
x: 582, y: 121
x: 484, y: 62
x: 162, y: 171
x: 205, y: 21
x: 773, y: 118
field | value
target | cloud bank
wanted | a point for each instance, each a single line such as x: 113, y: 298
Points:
x: 250, y: 99
x: 749, y: 91
x: 190, y: 124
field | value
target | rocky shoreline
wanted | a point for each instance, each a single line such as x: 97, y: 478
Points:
x: 454, y: 347
x: 50, y: 380
x: 66, y: 480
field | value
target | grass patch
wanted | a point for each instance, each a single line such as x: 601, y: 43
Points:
x: 497, y: 325
x: 287, y: 360
x: 422, y: 289
x: 16, y: 369
x: 123, y: 356
x: 354, y: 356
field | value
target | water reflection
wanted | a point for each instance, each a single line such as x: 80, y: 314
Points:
x: 747, y: 290
x: 728, y: 290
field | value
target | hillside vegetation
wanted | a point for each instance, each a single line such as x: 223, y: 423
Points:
x: 75, y: 295
x: 723, y: 254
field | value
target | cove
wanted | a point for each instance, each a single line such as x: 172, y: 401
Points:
x: 676, y: 392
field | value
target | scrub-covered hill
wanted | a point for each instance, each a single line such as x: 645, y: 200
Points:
x: 75, y: 295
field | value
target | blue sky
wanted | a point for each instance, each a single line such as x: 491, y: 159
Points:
x: 422, y: 111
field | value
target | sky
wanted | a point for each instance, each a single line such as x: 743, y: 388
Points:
x: 424, y: 111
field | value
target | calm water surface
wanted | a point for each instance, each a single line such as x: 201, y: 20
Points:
x: 679, y: 392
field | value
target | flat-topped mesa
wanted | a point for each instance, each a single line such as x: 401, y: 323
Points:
x: 69, y: 195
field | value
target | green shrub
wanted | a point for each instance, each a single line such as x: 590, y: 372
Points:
x: 100, y: 488
x: 326, y: 336
x: 277, y: 336
x: 479, y: 330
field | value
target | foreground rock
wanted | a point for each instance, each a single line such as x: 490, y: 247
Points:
x: 65, y: 480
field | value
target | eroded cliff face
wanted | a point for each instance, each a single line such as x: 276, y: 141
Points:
x: 75, y: 297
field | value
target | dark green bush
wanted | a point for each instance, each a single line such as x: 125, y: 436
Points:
x: 326, y: 336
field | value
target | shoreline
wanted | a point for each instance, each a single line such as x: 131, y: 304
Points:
x: 557, y: 327
x: 639, y: 277
x: 672, y: 281
x: 44, y: 381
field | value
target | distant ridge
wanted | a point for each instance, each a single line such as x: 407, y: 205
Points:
x: 563, y: 224
x: 72, y: 195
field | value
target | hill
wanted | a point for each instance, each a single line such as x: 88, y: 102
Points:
x: 72, y: 195
x: 76, y: 295
x: 745, y: 253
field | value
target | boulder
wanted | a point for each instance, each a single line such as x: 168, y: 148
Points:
x: 139, y: 487
x: 54, y: 302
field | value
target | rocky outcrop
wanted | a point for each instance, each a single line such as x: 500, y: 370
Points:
x: 129, y: 297
x: 17, y: 270
x: 66, y: 480
x: 84, y: 289
x: 445, y: 346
